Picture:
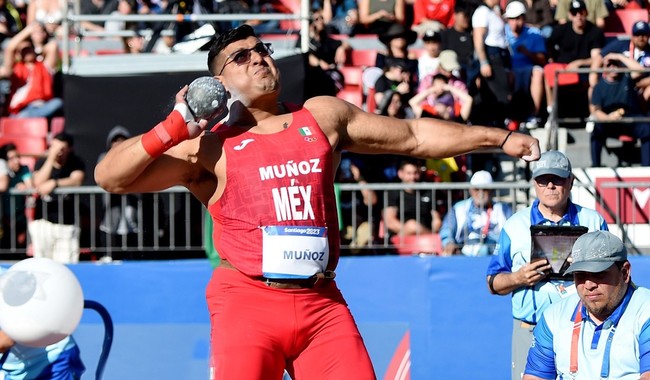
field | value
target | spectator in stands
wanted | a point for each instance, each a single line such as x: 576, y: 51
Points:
x: 46, y: 46
x: 341, y: 16
x: 49, y: 13
x: 442, y: 100
x: 494, y: 62
x: 379, y: 16
x: 55, y: 233
x: 10, y: 22
x: 356, y: 208
x: 134, y: 43
x: 429, y: 60
x: 409, y: 211
x: 325, y: 55
x: 528, y: 50
x: 511, y: 270
x: 32, y: 82
x: 571, y: 46
x: 99, y: 8
x: 458, y: 38
x: 124, y: 8
x: 613, y: 98
x: 596, y: 11
x: 397, y: 41
x: 433, y: 15
x: 264, y: 7
x: 120, y: 222
x: 13, y: 175
x: 451, y: 68
x: 394, y: 105
x: 473, y: 225
x: 638, y: 49
x: 396, y: 78
x: 539, y: 14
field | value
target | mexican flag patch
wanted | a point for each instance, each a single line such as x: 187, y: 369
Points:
x: 305, y: 131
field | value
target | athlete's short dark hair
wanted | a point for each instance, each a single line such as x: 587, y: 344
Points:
x: 239, y: 33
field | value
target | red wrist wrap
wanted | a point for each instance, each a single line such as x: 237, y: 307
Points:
x: 165, y: 135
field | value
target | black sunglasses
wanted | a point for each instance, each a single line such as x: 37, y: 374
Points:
x: 243, y: 56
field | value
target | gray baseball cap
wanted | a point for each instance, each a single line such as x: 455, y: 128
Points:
x: 552, y: 162
x: 596, y: 251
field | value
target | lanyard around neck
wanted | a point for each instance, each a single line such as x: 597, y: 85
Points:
x: 577, y: 325
x: 486, y: 227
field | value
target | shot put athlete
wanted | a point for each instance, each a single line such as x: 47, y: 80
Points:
x: 266, y: 176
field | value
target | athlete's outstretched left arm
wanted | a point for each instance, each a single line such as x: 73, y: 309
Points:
x: 352, y: 129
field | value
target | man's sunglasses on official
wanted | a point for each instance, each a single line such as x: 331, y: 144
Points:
x: 243, y: 56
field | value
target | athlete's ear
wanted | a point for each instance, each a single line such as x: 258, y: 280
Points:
x: 222, y: 79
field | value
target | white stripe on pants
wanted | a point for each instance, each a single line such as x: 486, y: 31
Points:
x: 59, y: 242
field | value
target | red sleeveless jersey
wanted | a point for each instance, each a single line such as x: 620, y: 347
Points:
x: 280, y: 179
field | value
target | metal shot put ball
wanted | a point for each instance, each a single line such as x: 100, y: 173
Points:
x: 206, y: 98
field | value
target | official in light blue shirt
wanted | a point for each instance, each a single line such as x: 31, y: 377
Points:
x: 473, y: 225
x: 603, y: 331
x: 511, y: 271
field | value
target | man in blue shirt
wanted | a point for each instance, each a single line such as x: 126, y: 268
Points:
x: 636, y: 47
x: 613, y: 98
x: 603, y: 331
x: 528, y: 56
x: 511, y: 269
x: 473, y: 225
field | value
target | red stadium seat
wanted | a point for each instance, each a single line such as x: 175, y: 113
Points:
x: 109, y: 51
x: 31, y: 126
x: 363, y: 58
x: 414, y: 244
x: 57, y: 125
x: 626, y: 139
x: 621, y: 21
x: 26, y: 145
x: 353, y: 91
x: 352, y: 75
x: 29, y: 161
x: 351, y: 94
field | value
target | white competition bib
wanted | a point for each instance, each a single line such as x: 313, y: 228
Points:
x: 294, y: 251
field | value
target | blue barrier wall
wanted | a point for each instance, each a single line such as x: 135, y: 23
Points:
x: 457, y: 329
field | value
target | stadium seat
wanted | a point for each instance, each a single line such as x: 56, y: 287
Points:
x: 352, y: 91
x: 363, y: 57
x: 621, y: 21
x: 57, y: 125
x: 415, y: 244
x: 26, y: 145
x: 626, y: 139
x: 351, y: 94
x: 109, y: 51
x: 29, y: 161
x: 351, y: 75
x: 31, y: 126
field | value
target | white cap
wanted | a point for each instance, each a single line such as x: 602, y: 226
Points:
x: 515, y: 9
x: 481, y: 178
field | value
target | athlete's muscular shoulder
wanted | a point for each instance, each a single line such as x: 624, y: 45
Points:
x: 332, y: 115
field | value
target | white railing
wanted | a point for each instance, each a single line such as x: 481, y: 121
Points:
x: 74, y: 18
x: 171, y: 223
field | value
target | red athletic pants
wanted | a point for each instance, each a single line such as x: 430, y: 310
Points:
x: 258, y: 331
